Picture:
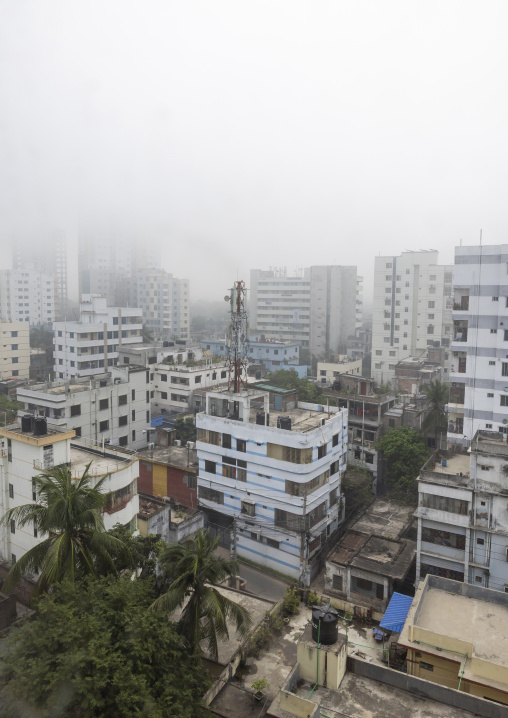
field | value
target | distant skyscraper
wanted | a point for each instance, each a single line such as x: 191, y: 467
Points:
x: 164, y: 300
x: 45, y: 255
x: 27, y: 296
x: 108, y: 259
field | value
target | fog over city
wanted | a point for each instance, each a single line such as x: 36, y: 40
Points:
x: 254, y: 134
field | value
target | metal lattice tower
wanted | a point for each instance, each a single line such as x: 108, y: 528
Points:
x: 237, y: 338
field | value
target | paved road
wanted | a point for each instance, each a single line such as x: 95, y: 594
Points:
x: 262, y: 584
x: 259, y: 583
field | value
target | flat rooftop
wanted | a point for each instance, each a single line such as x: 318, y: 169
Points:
x: 101, y: 463
x: 179, y: 456
x: 385, y: 518
x: 151, y: 505
x: 480, y: 622
x: 302, y: 420
x: 455, y: 465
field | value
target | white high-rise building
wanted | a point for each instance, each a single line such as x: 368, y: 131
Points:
x: 91, y: 345
x: 479, y: 377
x: 164, y: 300
x: 14, y: 350
x: 412, y: 308
x: 27, y: 296
x: 46, y: 256
x: 318, y: 308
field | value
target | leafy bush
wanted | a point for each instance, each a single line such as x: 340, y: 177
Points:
x: 291, y: 602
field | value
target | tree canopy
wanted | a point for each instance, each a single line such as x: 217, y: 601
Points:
x: 194, y: 572
x: 95, y: 650
x: 68, y: 512
x: 289, y: 379
x: 185, y: 429
x: 403, y: 454
x: 435, y: 417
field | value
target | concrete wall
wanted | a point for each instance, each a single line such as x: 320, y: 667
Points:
x: 299, y: 707
x: 426, y: 689
x: 324, y: 665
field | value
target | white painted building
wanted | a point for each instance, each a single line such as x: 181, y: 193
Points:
x: 272, y: 353
x: 109, y: 408
x: 27, y: 296
x: 479, y: 376
x: 462, y: 515
x: 412, y: 307
x: 279, y: 306
x: 174, y: 385
x: 14, y: 350
x: 333, y: 308
x: 23, y: 454
x: 280, y: 487
x: 164, y: 300
x: 328, y: 372
x: 90, y: 345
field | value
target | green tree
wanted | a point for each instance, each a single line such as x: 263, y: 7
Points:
x: 143, y: 551
x: 289, y: 379
x: 435, y: 419
x: 185, y: 429
x: 41, y: 338
x: 403, y: 454
x: 69, y: 513
x: 195, y: 572
x: 96, y: 650
x: 9, y: 409
x: 147, y: 334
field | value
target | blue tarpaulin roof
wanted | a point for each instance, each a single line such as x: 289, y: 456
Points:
x: 396, y: 613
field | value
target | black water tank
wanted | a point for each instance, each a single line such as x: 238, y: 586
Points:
x: 260, y: 418
x: 26, y: 423
x: 284, y: 422
x: 40, y: 426
x: 325, y: 625
x: 165, y: 344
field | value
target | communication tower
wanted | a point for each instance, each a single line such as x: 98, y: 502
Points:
x: 237, y: 342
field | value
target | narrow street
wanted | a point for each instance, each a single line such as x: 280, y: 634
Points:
x: 260, y: 583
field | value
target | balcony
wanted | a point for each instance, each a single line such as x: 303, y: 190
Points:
x: 461, y: 303
x: 460, y: 331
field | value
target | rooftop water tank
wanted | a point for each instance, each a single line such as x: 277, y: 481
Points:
x: 325, y: 625
x: 40, y: 426
x: 26, y: 423
x: 284, y: 422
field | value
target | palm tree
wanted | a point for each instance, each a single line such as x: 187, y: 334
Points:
x: 195, y: 571
x: 69, y: 512
x: 435, y: 419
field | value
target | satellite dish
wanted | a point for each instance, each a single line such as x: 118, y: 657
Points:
x: 226, y: 298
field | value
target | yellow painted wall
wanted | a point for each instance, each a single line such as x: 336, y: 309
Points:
x: 445, y: 672
x: 486, y: 692
x: 160, y: 480
x: 488, y: 669
x: 143, y: 526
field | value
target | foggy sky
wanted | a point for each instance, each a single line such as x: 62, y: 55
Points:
x: 251, y: 134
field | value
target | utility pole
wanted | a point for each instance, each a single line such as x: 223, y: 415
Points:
x: 233, y: 540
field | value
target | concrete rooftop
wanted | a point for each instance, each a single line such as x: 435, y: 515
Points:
x: 456, y: 464
x: 179, y: 456
x: 302, y: 420
x: 384, y: 518
x: 101, y: 464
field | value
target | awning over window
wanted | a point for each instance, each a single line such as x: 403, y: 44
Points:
x: 396, y: 613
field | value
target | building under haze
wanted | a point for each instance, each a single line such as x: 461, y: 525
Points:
x: 46, y: 255
x: 164, y: 300
x: 14, y: 350
x: 109, y: 257
x: 319, y: 308
x: 27, y: 296
x: 413, y: 299
x: 479, y: 375
x: 90, y: 345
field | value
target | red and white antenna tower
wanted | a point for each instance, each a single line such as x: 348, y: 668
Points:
x: 237, y: 338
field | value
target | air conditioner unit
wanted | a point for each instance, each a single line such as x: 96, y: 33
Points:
x: 191, y: 444
x: 178, y: 442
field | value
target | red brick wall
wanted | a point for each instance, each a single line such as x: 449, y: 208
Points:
x: 145, y: 480
x: 178, y: 490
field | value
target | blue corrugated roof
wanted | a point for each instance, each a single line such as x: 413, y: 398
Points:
x: 396, y: 613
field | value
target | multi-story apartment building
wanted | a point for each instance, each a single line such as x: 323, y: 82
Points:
x: 14, y: 350
x: 359, y: 304
x: 173, y: 385
x: 333, y: 308
x: 319, y: 308
x: 91, y: 345
x: 279, y: 306
x: 164, y: 300
x: 112, y: 408
x: 274, y: 475
x: 478, y: 379
x: 413, y: 301
x: 328, y: 372
x: 48, y: 256
x: 462, y: 518
x: 33, y: 446
x: 109, y: 256
x: 27, y: 296
x: 272, y: 353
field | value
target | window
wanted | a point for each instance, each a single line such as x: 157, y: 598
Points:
x: 76, y: 410
x: 15, y: 334
x: 504, y: 369
x: 133, y: 434
x: 197, y: 380
x: 248, y: 508
x: 210, y: 466
x: 493, y: 331
x: 13, y: 526
x: 210, y: 495
x: 431, y: 305
x: 103, y: 404
x: 104, y: 425
x: 335, y: 440
x: 241, y: 445
x: 122, y: 421
x: 35, y: 531
x: 495, y: 299
x: 226, y: 441
x: 379, y: 352
x: 271, y: 543
x: 480, y: 541
x: 122, y: 400
x: 133, y: 415
x: 444, y: 538
x: 426, y: 666
x: 287, y: 453
x: 445, y: 503
x: 388, y: 265
x: 337, y: 582
x: 14, y: 347
x: 503, y: 400
x: 122, y: 441
x: 321, y: 452
x: 11, y: 491
x: 492, y: 363
x: 133, y: 394
x: 78, y: 431
x: 13, y: 558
